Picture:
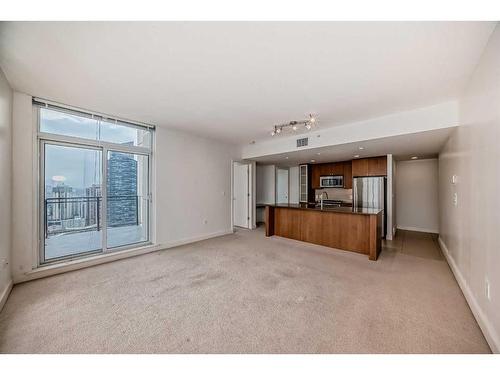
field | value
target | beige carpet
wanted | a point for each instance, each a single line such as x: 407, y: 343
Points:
x: 245, y: 293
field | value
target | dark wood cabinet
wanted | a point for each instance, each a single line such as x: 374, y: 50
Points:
x: 332, y: 169
x: 359, y: 167
x: 316, y: 174
x: 368, y: 167
x: 342, y: 168
x: 340, y: 230
x: 378, y: 166
x: 348, y: 174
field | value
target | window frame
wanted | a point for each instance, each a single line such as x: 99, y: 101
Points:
x: 43, y: 138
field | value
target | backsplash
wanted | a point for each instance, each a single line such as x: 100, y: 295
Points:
x: 336, y: 193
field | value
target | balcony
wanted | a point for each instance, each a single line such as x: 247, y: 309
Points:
x: 73, y: 225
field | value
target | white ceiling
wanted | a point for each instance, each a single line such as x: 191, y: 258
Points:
x: 424, y: 145
x: 233, y: 81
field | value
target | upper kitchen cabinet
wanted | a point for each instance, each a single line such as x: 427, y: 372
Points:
x: 367, y: 167
x: 332, y: 169
x: 325, y: 169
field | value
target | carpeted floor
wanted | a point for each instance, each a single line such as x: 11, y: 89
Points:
x: 245, y: 293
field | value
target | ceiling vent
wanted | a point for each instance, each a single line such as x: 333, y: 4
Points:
x: 301, y: 142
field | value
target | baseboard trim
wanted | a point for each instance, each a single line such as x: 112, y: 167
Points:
x: 416, y: 229
x: 190, y: 240
x: 77, y: 264
x: 5, y: 294
x: 484, y: 323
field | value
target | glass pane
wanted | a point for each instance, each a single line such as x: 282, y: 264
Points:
x: 125, y: 135
x: 72, y: 201
x: 128, y: 204
x: 62, y: 123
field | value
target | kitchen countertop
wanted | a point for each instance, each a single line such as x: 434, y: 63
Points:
x: 346, y: 210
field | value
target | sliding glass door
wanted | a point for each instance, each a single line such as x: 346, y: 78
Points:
x: 94, y: 185
x: 72, y: 204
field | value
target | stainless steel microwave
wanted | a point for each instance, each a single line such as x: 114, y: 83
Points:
x: 331, y: 181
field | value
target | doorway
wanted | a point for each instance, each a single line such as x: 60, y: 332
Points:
x: 241, y: 195
x: 282, y: 185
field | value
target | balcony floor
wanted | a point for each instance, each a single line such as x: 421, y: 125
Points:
x: 81, y: 242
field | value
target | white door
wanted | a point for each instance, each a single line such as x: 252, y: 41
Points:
x: 240, y: 195
x: 282, y: 186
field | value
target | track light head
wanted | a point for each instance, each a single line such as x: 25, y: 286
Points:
x: 294, y: 125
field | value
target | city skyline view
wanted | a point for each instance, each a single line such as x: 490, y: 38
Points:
x: 73, y: 179
x: 88, y: 160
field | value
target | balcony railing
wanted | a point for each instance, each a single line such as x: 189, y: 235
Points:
x: 79, y: 214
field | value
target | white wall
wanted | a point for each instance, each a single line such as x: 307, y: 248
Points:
x: 24, y: 212
x: 192, y: 199
x: 418, y: 120
x: 470, y: 231
x: 417, y: 199
x: 5, y: 187
x: 293, y: 190
x: 193, y: 184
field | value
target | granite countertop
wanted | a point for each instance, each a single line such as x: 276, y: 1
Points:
x: 312, y: 207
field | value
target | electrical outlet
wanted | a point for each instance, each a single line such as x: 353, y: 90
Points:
x: 487, y: 289
x: 454, y: 179
x: 205, y: 221
x: 455, y: 199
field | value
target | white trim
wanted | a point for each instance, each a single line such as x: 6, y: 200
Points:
x: 5, y: 294
x: 232, y: 193
x: 417, y: 229
x: 93, y: 143
x: 388, y: 197
x: 250, y: 191
x: 276, y: 182
x: 37, y: 158
x: 484, y: 323
x: 190, y: 240
x: 41, y: 139
x: 79, y: 263
x: 40, y: 102
x: 253, y: 194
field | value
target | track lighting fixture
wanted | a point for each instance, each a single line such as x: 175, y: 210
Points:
x: 294, y: 125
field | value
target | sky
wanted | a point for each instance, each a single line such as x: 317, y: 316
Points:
x: 78, y: 167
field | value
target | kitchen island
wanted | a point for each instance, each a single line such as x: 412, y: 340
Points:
x: 347, y: 228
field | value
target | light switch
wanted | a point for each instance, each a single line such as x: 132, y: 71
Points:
x: 487, y: 289
x: 454, y: 179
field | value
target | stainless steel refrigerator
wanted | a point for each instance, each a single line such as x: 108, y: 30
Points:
x: 369, y: 192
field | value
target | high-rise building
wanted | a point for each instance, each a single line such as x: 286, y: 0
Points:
x: 62, y: 208
x: 92, y: 205
x: 122, y: 189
